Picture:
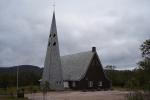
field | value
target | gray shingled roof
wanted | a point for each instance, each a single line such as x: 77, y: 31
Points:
x: 75, y: 66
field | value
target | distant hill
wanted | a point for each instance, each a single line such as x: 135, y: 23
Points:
x: 28, y: 74
x: 22, y: 68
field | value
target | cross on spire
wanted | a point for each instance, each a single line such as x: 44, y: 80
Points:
x: 54, y: 5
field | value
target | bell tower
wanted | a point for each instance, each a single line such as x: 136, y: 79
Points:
x: 52, y: 72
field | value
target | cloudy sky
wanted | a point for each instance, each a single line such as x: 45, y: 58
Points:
x: 115, y: 27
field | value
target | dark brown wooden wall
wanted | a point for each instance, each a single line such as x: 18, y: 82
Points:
x: 96, y: 74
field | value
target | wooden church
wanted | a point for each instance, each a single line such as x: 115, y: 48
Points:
x: 84, y: 71
x: 76, y: 71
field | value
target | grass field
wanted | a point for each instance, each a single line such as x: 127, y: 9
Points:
x: 7, y: 97
x: 27, y: 89
x: 10, y: 93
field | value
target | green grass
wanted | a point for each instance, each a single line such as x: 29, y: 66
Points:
x: 12, y: 90
x: 11, y: 98
x: 119, y: 88
x: 10, y: 93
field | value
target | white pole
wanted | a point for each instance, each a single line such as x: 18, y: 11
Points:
x: 17, y: 77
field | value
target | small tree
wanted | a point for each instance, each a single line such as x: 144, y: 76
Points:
x: 145, y: 49
x: 110, y: 72
x: 144, y: 65
x: 132, y: 84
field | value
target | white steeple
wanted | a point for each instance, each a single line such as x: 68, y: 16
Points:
x: 52, y: 72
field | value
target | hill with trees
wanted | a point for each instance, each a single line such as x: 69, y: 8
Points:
x: 28, y: 75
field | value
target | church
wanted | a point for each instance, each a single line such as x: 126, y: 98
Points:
x: 78, y: 71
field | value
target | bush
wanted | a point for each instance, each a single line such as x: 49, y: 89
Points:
x: 132, y: 84
x: 135, y: 96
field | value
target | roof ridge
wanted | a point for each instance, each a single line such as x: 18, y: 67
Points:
x: 76, y: 53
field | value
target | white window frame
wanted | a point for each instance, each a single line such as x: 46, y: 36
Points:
x: 66, y: 84
x: 90, y: 83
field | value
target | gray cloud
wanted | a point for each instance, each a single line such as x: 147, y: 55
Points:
x: 116, y: 28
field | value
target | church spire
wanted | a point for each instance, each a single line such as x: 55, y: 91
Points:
x: 53, y: 25
x: 52, y: 67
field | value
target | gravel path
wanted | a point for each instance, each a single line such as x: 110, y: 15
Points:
x: 77, y: 95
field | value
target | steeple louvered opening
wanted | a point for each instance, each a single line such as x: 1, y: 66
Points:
x: 49, y: 44
x: 54, y: 35
x: 54, y: 43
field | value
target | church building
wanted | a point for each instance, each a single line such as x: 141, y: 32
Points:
x: 75, y: 71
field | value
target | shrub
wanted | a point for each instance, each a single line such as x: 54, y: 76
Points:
x: 135, y: 96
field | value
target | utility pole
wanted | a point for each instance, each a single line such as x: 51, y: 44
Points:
x: 17, y: 78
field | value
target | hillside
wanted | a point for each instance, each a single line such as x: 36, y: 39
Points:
x: 28, y: 74
x: 22, y: 68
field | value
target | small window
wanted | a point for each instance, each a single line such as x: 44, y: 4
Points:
x: 54, y: 35
x: 100, y: 83
x: 54, y: 43
x: 90, y: 84
x: 66, y: 85
x: 73, y: 84
x: 57, y: 82
x: 49, y: 44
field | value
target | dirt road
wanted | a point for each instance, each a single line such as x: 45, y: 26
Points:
x: 77, y: 95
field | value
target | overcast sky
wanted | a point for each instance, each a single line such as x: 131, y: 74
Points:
x: 116, y: 27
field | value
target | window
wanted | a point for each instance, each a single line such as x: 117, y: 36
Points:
x: 90, y: 84
x: 49, y: 44
x: 73, y: 84
x: 50, y: 35
x: 58, y: 82
x: 54, y: 43
x: 100, y: 83
x: 66, y: 85
x: 54, y: 35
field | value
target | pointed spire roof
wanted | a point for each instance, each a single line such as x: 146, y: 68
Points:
x: 53, y: 24
x: 53, y: 19
x: 52, y: 67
